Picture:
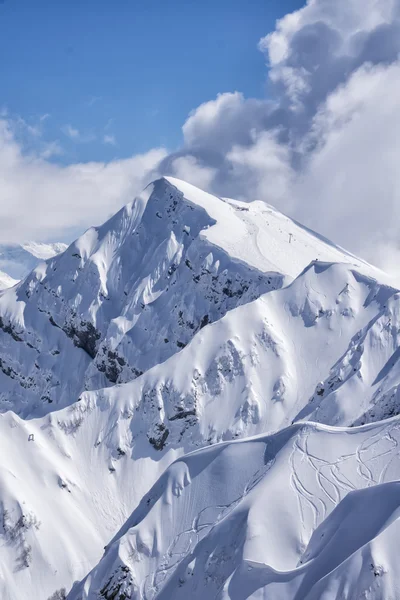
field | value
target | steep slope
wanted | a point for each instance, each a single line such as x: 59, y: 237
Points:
x: 253, y: 519
x: 370, y: 362
x: 132, y: 293
x: 17, y: 260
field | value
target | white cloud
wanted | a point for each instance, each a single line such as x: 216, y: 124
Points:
x: 229, y: 119
x: 326, y: 149
x: 316, y: 48
x: 74, y: 134
x: 335, y: 66
x: 71, y: 132
x: 191, y: 170
x: 263, y: 167
x: 349, y: 188
x: 41, y: 200
x: 34, y: 130
x: 110, y: 140
x: 50, y: 149
x: 346, y: 17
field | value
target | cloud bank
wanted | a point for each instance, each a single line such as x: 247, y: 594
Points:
x: 322, y: 146
x: 42, y: 200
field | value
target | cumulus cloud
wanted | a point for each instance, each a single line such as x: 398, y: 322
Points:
x: 190, y: 169
x: 335, y: 69
x: 317, y: 48
x: 228, y: 120
x: 262, y: 168
x: 349, y: 187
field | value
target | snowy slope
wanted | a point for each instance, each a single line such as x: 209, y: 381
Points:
x: 6, y: 281
x: 183, y: 321
x: 17, y: 260
x: 253, y: 519
x: 260, y: 366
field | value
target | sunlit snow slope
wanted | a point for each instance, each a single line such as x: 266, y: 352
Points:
x: 184, y: 321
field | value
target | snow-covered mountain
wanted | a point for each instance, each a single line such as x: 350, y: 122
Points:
x: 186, y: 324
x: 17, y: 260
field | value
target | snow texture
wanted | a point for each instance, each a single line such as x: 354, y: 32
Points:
x: 17, y: 260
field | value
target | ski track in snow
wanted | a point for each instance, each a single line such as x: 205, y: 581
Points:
x: 332, y: 485
x: 334, y: 473
x: 168, y: 561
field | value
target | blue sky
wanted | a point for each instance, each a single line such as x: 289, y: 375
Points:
x: 127, y: 71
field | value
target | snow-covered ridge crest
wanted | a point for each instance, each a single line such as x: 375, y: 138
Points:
x: 260, y: 366
x: 6, y: 281
x: 123, y: 297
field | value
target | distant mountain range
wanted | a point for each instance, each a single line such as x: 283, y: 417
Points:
x: 17, y: 260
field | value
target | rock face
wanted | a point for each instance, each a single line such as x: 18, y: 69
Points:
x: 184, y: 321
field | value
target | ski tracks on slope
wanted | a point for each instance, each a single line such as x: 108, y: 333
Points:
x: 318, y: 491
x: 185, y: 541
x: 332, y: 482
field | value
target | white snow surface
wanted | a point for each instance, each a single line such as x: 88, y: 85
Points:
x: 212, y: 392
x: 17, y: 260
x: 6, y: 281
x: 311, y: 512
